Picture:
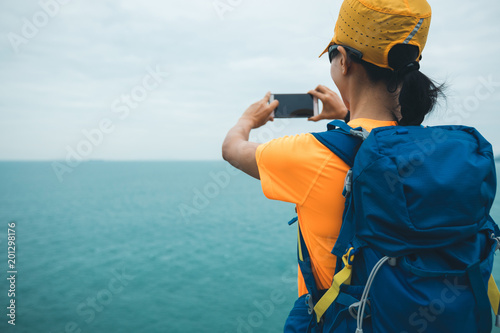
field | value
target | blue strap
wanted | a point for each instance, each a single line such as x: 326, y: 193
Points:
x: 292, y: 221
x: 346, y: 299
x: 481, y: 296
x: 306, y: 269
x: 340, y: 141
x: 339, y: 124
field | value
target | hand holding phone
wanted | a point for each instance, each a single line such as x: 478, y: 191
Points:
x: 333, y: 105
x: 260, y: 112
x: 295, y: 105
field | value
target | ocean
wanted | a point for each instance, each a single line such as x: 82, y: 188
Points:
x: 144, y: 247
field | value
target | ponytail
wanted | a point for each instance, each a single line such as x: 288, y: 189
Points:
x: 417, y: 97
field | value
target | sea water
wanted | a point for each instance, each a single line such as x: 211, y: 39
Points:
x: 145, y: 247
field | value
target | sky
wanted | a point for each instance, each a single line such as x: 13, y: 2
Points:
x: 166, y: 80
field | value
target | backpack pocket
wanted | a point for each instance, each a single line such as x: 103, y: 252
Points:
x: 415, y: 296
x: 431, y: 292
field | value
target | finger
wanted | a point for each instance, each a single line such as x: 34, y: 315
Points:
x: 267, y: 96
x: 322, y: 89
x: 327, y: 90
x: 273, y: 105
x: 317, y: 94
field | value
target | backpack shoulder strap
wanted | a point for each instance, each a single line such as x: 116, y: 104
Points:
x: 342, y: 140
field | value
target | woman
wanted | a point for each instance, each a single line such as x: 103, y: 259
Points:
x: 374, y: 56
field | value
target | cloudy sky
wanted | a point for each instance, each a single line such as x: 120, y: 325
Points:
x: 158, y: 80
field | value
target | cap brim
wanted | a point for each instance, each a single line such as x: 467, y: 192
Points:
x: 326, y: 49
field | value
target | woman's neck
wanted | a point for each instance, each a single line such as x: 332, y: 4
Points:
x: 372, y: 101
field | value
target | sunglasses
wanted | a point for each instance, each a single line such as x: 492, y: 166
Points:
x: 332, y: 51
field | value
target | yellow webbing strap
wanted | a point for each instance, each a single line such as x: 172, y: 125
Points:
x: 301, y: 258
x: 493, y: 294
x: 342, y: 277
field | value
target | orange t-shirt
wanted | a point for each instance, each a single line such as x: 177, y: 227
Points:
x: 301, y: 170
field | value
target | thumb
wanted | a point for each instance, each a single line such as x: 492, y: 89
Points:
x: 274, y: 104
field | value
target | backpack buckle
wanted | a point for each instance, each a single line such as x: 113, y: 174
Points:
x: 309, y: 302
x: 497, y: 239
x: 363, y: 134
x: 347, y: 184
x: 349, y: 254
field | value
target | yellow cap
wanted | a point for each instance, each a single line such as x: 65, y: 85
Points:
x: 373, y: 27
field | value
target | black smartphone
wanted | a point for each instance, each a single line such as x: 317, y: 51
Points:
x: 295, y: 105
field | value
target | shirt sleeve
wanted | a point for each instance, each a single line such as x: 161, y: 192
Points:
x: 289, y: 166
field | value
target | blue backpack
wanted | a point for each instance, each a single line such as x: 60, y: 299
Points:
x: 416, y: 247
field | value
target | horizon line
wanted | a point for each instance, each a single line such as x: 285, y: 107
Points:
x: 114, y: 160
x: 496, y: 158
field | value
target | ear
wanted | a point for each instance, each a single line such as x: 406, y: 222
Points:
x: 345, y: 61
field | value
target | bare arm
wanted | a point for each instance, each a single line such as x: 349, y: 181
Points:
x: 236, y: 149
x: 240, y: 152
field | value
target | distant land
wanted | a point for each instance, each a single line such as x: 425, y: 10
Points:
x: 497, y: 158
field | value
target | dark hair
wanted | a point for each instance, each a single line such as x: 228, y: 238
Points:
x: 418, y: 94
